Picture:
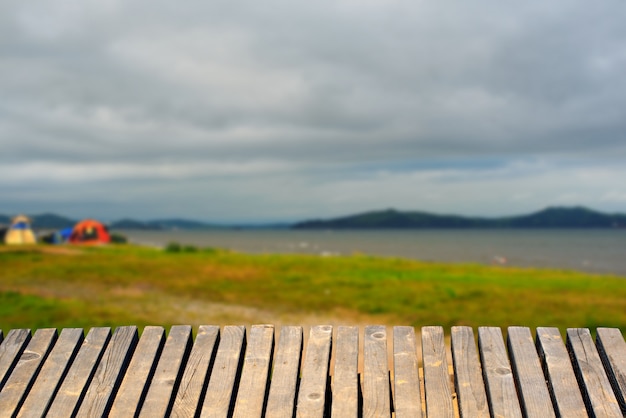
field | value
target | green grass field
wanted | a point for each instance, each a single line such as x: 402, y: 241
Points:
x: 44, y: 286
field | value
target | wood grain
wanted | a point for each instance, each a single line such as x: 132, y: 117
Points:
x: 160, y: 396
x: 376, y: 391
x: 220, y: 396
x: 220, y: 375
x: 612, y: 350
x: 592, y: 378
x: 74, y: 386
x: 108, y: 375
x: 436, y: 375
x: 25, y: 371
x: 531, y: 384
x: 566, y: 396
x: 52, y: 373
x: 312, y: 396
x: 134, y: 386
x: 501, y: 391
x: 345, y: 381
x: 10, y: 351
x: 282, y: 394
x: 406, y: 381
x: 195, y: 378
x: 468, y: 379
x: 254, y: 381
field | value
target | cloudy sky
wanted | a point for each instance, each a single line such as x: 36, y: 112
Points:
x: 276, y: 110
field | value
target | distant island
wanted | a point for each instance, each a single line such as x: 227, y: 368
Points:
x: 552, y: 217
x: 54, y: 221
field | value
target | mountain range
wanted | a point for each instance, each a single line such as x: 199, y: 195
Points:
x: 552, y: 217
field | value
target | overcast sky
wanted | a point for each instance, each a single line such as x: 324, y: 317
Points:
x: 238, y: 111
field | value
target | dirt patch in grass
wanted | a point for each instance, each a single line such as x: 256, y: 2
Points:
x: 48, y: 249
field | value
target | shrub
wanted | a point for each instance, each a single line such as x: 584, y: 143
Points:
x: 173, y: 247
x: 118, y: 238
x: 190, y: 249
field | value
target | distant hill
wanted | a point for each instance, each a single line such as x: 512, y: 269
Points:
x: 43, y: 221
x: 179, y: 224
x: 553, y: 217
x: 160, y: 224
x: 131, y: 224
x: 51, y: 221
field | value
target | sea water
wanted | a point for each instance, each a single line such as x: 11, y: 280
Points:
x: 596, y: 250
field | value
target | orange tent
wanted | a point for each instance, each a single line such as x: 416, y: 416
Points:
x: 89, y: 231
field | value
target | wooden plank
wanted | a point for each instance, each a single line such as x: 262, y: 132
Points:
x: 282, y: 395
x: 222, y: 389
x: 254, y: 382
x: 134, y: 386
x: 52, y: 373
x: 408, y: 400
x: 436, y: 374
x: 195, y: 377
x: 612, y: 350
x: 501, y: 392
x: 21, y: 379
x: 10, y: 351
x: 531, y: 383
x: 103, y: 387
x: 468, y: 379
x: 73, y: 387
x: 160, y: 397
x: 594, y: 383
x: 564, y: 390
x: 345, y: 381
x: 376, y: 396
x: 312, y: 396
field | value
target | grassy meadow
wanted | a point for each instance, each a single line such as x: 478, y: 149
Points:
x: 63, y: 286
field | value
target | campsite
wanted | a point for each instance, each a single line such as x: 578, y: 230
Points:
x: 81, y: 276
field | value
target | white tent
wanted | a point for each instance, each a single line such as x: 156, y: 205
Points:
x: 20, y: 232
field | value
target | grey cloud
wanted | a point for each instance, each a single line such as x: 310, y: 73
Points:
x: 320, y: 91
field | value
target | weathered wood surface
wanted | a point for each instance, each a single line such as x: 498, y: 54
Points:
x: 531, y: 383
x: 219, y: 399
x: 197, y: 369
x: 52, y: 373
x: 596, y: 388
x: 499, y: 381
x: 376, y: 397
x: 159, y: 398
x: 230, y: 372
x: 559, y: 372
x: 312, y: 396
x: 255, y: 375
x: 345, y: 385
x: 284, y: 384
x: 75, y: 383
x: 10, y: 350
x: 109, y: 373
x: 25, y: 370
x: 612, y: 349
x: 139, y: 374
x: 408, y: 399
x: 436, y: 375
x: 468, y: 379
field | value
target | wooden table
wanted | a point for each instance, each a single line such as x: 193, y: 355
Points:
x: 343, y: 371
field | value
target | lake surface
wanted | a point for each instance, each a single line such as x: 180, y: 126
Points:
x: 601, y: 251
